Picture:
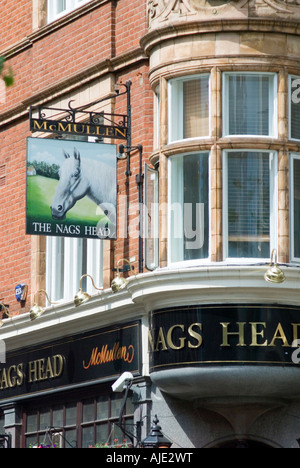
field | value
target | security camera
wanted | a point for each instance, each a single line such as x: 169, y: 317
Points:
x: 120, y: 384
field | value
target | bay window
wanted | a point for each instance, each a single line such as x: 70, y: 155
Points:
x: 189, y: 207
x: 249, y: 104
x: 249, y: 205
x: 189, y: 108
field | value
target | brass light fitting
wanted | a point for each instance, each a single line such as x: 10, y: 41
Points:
x: 36, y: 311
x: 119, y: 283
x: 274, y: 274
x: 4, y: 309
x: 81, y: 297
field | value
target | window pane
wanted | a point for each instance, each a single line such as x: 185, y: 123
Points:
x: 296, y: 208
x: 295, y: 108
x: 195, y: 108
x: 87, y: 436
x: 248, y: 205
x: 44, y: 419
x: 102, y: 407
x: 249, y: 105
x: 116, y: 404
x: 32, y: 422
x: 88, y: 410
x: 58, y: 414
x: 71, y: 414
x: 61, y: 5
x: 189, y: 216
x: 102, y: 434
x: 189, y: 108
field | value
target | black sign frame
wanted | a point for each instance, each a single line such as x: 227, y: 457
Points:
x: 85, y: 359
x: 224, y: 334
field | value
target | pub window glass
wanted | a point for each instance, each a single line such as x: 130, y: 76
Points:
x: 294, y: 108
x: 188, y: 108
x: 189, y: 207
x: 249, y: 207
x: 151, y: 217
x: 249, y: 104
x: 295, y: 207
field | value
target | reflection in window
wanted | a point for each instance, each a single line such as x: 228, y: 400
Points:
x: 249, y: 107
x: 248, y: 205
x: 189, y: 108
x: 188, y: 211
x: 295, y: 207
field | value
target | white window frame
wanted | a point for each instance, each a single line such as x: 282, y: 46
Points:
x: 294, y: 259
x: 273, y: 113
x: 52, y: 7
x: 273, y: 165
x: 291, y: 91
x: 176, y: 184
x: 175, y: 107
x: 67, y: 270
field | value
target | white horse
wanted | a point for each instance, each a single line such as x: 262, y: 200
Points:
x: 79, y: 178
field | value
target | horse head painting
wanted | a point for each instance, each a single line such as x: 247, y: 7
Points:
x: 80, y: 177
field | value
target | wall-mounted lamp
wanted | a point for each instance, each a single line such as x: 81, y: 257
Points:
x: 36, y: 311
x: 274, y: 274
x: 4, y: 309
x: 82, y: 297
x: 156, y: 439
x: 119, y: 282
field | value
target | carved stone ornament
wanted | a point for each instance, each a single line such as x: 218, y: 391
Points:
x: 160, y: 11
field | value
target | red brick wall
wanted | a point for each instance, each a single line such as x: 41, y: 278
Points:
x: 15, y: 22
x: 112, y: 29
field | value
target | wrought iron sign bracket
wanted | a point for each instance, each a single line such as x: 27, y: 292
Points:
x: 80, y: 121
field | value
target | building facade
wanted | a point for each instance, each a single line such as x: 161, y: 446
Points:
x: 207, y: 184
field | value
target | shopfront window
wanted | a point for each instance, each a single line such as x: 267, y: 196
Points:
x: 82, y: 423
x: 249, y: 206
x: 189, y: 108
x: 189, y: 207
x: 249, y: 104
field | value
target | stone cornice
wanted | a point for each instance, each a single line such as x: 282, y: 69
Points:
x: 192, y: 27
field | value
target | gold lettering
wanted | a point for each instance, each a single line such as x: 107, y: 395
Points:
x: 279, y: 335
x: 161, y: 341
x: 256, y: 333
x: 295, y: 331
x: 38, y: 127
x: 170, y: 338
x: 240, y: 333
x: 195, y: 335
x: 61, y: 128
x: 58, y: 365
x: 32, y: 371
x: 121, y: 132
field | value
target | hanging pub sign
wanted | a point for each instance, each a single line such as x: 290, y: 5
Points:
x: 71, y: 189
